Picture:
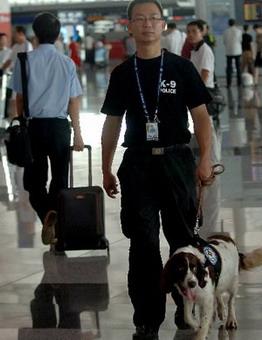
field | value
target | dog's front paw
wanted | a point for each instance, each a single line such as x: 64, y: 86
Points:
x: 221, y: 312
x: 200, y: 336
x: 214, y: 315
x: 193, y: 324
x: 231, y: 323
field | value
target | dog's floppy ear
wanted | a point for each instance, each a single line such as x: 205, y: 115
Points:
x: 201, y: 274
x: 168, y: 276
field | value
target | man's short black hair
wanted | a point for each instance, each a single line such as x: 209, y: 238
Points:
x: 46, y: 27
x: 231, y: 22
x: 245, y: 28
x: 255, y: 26
x: 171, y: 25
x: 133, y: 3
x: 20, y: 29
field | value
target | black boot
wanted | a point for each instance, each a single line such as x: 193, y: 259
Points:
x: 139, y: 334
x: 151, y: 335
x: 144, y: 333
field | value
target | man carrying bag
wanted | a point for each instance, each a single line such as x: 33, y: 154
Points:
x: 54, y: 90
x: 18, y: 146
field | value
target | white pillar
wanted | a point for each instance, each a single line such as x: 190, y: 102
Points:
x: 5, y: 18
x: 201, y: 9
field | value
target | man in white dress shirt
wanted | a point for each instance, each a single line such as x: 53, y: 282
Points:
x: 4, y: 51
x: 21, y: 45
x: 233, y: 43
x: 174, y: 40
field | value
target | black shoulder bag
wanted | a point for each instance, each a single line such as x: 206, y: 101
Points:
x: 18, y: 146
x: 218, y: 102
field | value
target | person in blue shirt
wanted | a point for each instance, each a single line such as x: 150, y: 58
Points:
x: 53, y: 92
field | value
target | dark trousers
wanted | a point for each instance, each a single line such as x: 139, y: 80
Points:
x: 152, y: 186
x: 50, y: 138
x: 229, y: 69
x: 43, y: 309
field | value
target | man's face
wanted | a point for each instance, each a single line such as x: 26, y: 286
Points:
x: 3, y: 41
x: 19, y: 37
x: 146, y: 23
x: 194, y: 35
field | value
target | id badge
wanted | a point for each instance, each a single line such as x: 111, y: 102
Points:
x: 152, y: 131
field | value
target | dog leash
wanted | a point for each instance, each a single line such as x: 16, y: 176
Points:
x: 217, y: 169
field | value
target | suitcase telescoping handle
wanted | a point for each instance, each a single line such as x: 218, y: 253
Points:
x: 71, y: 167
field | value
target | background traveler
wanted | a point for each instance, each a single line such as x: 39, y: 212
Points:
x: 21, y: 45
x: 258, y: 60
x: 233, y: 43
x: 247, y: 62
x: 209, y: 38
x: 130, y: 45
x: 5, y: 51
x: 89, y: 49
x: 50, y: 100
x: 203, y: 59
x: 173, y: 40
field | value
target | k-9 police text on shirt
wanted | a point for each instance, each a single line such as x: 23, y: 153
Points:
x: 168, y: 86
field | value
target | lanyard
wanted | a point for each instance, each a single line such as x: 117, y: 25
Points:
x: 158, y: 89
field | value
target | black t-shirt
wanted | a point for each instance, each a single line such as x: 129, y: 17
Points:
x: 181, y: 88
x: 246, y: 42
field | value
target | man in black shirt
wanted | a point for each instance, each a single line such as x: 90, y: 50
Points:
x: 154, y: 89
x: 247, y: 54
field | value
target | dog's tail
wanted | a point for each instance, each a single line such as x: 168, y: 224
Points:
x: 250, y: 260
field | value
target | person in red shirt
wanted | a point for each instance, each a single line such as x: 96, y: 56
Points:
x: 74, y: 52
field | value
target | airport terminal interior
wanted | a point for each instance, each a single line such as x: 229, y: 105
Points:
x: 83, y: 294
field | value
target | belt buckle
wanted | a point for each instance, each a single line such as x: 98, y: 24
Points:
x: 158, y: 151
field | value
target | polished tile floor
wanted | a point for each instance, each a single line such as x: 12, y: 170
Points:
x: 81, y: 295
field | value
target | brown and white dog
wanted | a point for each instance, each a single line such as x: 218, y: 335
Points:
x: 191, y: 271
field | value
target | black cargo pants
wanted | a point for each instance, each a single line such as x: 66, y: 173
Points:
x: 153, y: 185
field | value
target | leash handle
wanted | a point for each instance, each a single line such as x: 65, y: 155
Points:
x: 217, y: 169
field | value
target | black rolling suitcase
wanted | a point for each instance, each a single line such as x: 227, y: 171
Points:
x: 80, y: 223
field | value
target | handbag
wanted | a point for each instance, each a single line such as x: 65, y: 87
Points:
x: 17, y: 141
x: 218, y: 102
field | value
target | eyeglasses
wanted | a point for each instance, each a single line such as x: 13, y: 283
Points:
x: 140, y: 20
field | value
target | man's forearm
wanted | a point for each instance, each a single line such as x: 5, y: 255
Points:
x: 110, y: 136
x: 203, y: 136
x: 204, y: 75
x: 74, y: 108
x: 19, y: 104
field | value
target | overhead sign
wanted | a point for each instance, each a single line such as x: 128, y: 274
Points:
x: 71, y: 17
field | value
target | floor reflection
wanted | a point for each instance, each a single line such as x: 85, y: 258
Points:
x: 69, y: 287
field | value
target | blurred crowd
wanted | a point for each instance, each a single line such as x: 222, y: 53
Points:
x: 241, y: 45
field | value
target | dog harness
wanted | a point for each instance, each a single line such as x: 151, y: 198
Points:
x: 212, y: 257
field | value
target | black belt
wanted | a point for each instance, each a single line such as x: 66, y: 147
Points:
x: 157, y: 151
